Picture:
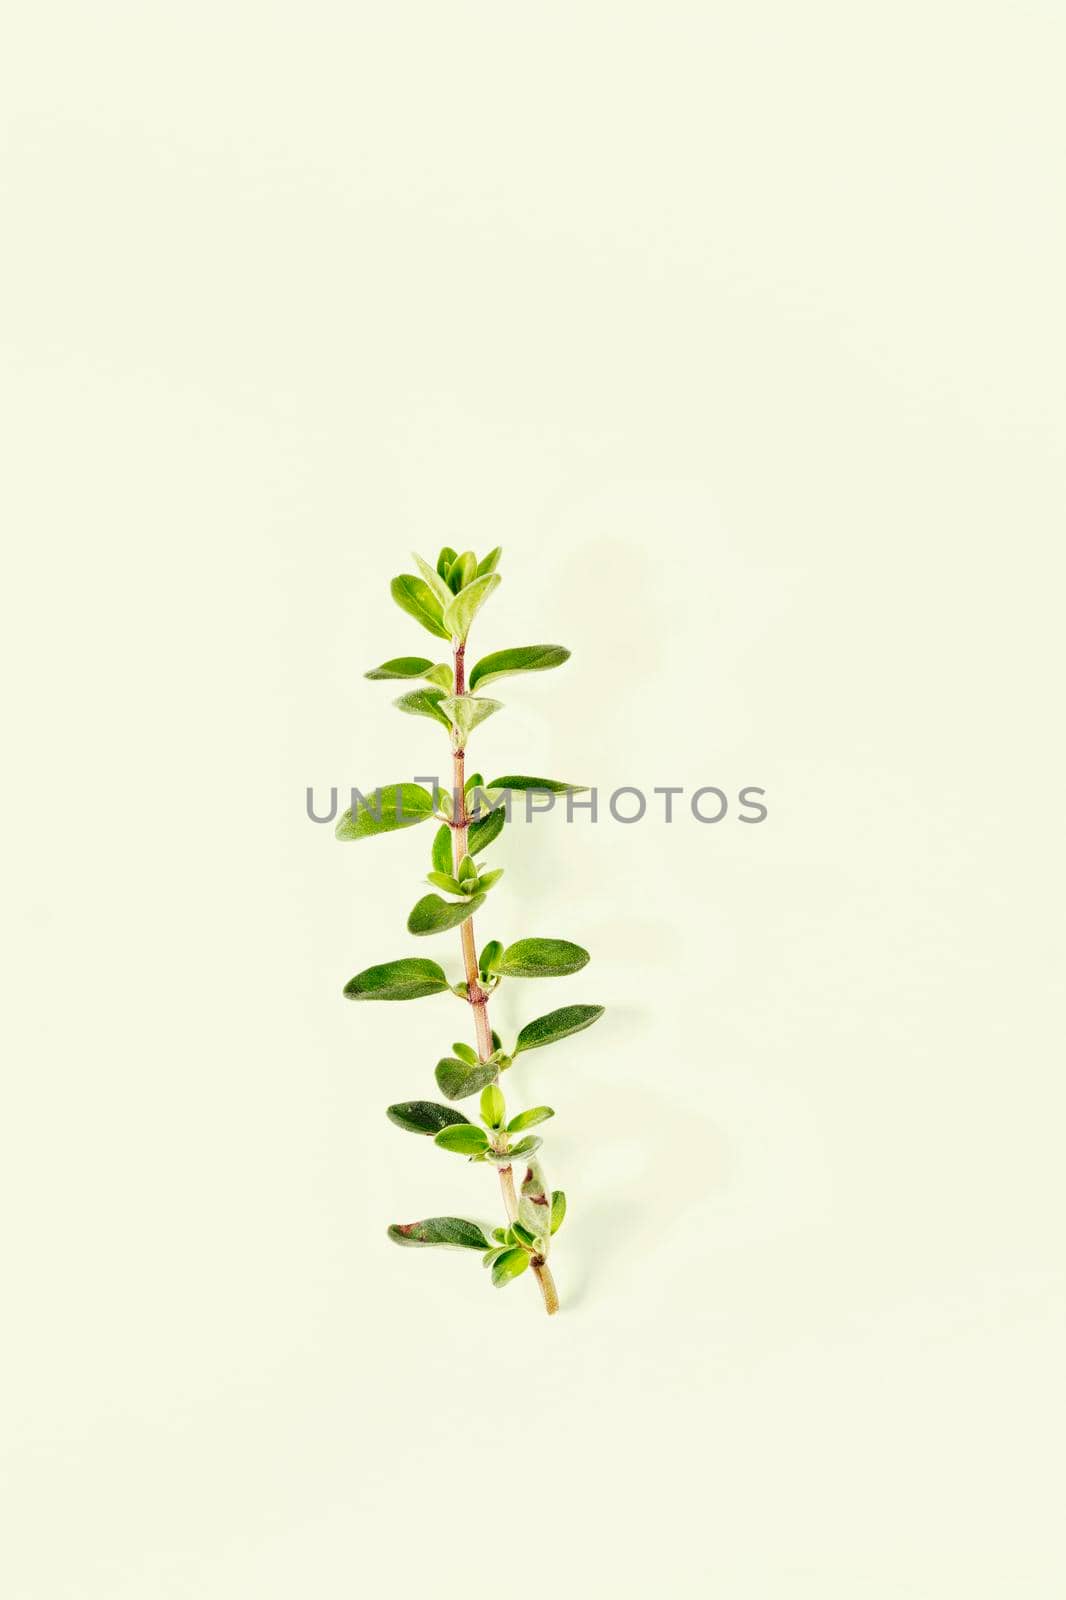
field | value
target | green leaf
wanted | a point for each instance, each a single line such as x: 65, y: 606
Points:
x: 434, y: 915
x: 524, y: 1147
x: 541, y: 958
x: 440, y: 1230
x: 557, y: 1025
x: 458, y: 1079
x: 524, y: 1235
x: 424, y: 1116
x: 466, y: 711
x: 492, y: 1256
x: 511, y: 1264
x: 407, y: 979
x: 463, y: 1138
x: 474, y: 781
x: 464, y: 608
x: 466, y: 1053
x: 424, y: 703
x: 444, y: 880
x: 534, y: 1202
x: 490, y: 955
x: 548, y: 785
x: 488, y: 563
x: 419, y: 601
x: 558, y: 1209
x: 529, y: 1119
x: 486, y: 880
x: 523, y: 658
x: 467, y: 869
x: 434, y: 582
x: 493, y: 1108
x: 441, y: 674
x: 402, y: 667
x: 395, y: 805
x: 463, y: 570
x: 445, y: 559
x: 482, y: 833
x: 442, y: 849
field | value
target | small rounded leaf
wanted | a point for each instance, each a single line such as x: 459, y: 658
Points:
x: 408, y: 979
x: 529, y: 1119
x: 557, y: 1025
x: 425, y: 1116
x: 434, y: 915
x: 463, y: 1138
x: 493, y: 1106
x: 511, y: 1264
x: 455, y: 1231
x: 541, y: 958
x: 459, y: 1079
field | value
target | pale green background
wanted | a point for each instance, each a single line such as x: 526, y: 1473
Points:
x: 741, y: 327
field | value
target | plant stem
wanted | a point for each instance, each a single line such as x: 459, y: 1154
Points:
x: 479, y: 1000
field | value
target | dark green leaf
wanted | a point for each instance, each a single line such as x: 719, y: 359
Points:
x: 548, y: 785
x: 395, y: 805
x: 458, y: 1079
x: 558, y: 1209
x: 541, y: 958
x: 434, y: 915
x: 488, y: 563
x: 482, y: 833
x: 424, y: 703
x: 463, y: 1138
x: 419, y: 601
x: 424, y: 1116
x: 511, y: 1264
x: 529, y: 1119
x: 523, y: 658
x: 556, y: 1025
x: 440, y: 1230
x: 463, y: 609
x: 442, y: 849
x: 402, y: 667
x: 407, y: 979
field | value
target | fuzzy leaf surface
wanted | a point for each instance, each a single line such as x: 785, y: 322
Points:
x: 556, y: 1025
x: 424, y: 1116
x: 434, y: 915
x: 523, y: 658
x: 407, y: 979
x: 541, y: 958
x: 419, y: 601
x: 410, y: 800
x: 454, y: 1231
x: 464, y: 608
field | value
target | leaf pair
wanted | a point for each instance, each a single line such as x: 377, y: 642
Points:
x: 433, y: 602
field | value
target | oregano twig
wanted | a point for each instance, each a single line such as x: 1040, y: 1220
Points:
x: 445, y: 601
